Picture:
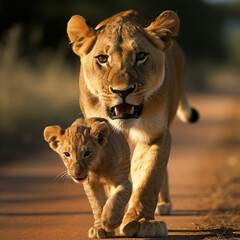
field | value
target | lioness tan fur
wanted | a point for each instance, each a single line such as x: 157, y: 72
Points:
x: 132, y: 74
x: 99, y: 158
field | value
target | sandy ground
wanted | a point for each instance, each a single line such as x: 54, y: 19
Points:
x: 204, y: 171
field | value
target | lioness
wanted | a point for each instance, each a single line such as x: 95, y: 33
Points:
x: 99, y: 158
x: 132, y: 74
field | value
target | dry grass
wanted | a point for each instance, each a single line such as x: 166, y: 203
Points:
x: 32, y: 97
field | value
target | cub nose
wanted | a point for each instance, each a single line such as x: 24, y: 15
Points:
x: 123, y: 93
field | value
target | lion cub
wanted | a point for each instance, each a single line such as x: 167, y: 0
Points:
x: 99, y: 158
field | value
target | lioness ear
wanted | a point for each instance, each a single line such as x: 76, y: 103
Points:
x: 78, y: 32
x: 165, y: 28
x: 52, y: 135
x: 100, y: 130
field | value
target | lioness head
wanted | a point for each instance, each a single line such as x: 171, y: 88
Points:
x: 78, y: 146
x: 123, y: 60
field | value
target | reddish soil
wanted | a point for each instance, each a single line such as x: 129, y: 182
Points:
x: 204, y: 171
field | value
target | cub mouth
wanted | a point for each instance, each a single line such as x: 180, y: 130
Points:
x: 79, y: 178
x: 125, y: 111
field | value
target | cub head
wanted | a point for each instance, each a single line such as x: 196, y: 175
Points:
x: 79, y: 146
x: 123, y: 61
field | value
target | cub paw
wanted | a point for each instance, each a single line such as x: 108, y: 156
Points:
x: 130, y: 229
x: 163, y: 209
x: 95, y: 232
x: 144, y: 228
x: 111, y: 219
x: 111, y: 225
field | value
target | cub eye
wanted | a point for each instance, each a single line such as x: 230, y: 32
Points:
x: 87, y: 154
x: 102, y: 58
x: 141, y: 56
x: 66, y: 154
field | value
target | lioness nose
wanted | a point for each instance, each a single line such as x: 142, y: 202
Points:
x: 123, y: 93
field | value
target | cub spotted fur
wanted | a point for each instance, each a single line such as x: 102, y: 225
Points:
x: 99, y: 158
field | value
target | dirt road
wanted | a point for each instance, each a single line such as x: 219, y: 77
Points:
x: 204, y: 171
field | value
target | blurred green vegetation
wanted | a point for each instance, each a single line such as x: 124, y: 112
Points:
x: 33, y: 96
x: 39, y: 72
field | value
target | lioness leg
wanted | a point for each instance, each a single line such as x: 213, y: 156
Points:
x: 147, y: 162
x: 164, y: 206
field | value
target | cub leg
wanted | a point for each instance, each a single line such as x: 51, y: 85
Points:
x: 147, y: 162
x: 97, y: 198
x: 114, y: 208
x: 164, y: 206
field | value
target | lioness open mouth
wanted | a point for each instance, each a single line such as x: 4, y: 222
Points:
x: 125, y: 111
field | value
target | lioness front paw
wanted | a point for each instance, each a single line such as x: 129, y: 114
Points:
x: 163, y: 208
x: 144, y: 228
x: 95, y: 232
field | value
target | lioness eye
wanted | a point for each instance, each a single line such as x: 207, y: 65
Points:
x: 102, y: 58
x: 87, y: 154
x: 141, y: 56
x: 66, y: 154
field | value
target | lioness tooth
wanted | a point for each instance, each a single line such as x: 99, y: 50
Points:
x: 116, y: 111
x: 132, y: 110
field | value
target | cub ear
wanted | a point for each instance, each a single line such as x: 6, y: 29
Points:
x: 79, y: 32
x: 100, y: 131
x: 52, y: 135
x: 165, y: 28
